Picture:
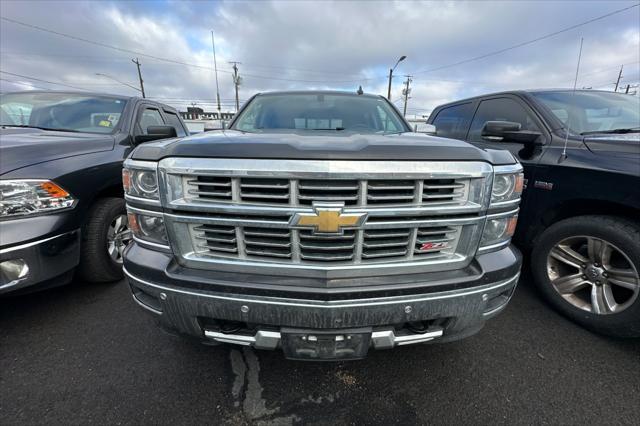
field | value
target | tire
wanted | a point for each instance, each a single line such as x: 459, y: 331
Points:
x: 594, y: 262
x: 96, y: 262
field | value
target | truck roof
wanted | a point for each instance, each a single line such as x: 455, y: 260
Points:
x: 96, y: 94
x: 522, y: 92
x: 317, y: 92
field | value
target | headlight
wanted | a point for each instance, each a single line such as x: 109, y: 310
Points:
x: 32, y: 196
x: 507, y: 187
x: 140, y: 183
x: 498, y: 231
x: 148, y: 228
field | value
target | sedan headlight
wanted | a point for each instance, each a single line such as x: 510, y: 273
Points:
x: 498, y: 231
x: 148, y: 228
x: 507, y: 187
x: 32, y: 196
x: 140, y: 183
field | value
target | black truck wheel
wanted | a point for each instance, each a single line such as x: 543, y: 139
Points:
x: 104, y: 237
x: 587, y: 268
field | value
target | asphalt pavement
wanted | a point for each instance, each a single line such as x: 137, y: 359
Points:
x: 86, y: 354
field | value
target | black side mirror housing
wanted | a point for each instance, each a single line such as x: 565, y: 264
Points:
x: 511, y: 132
x: 155, y: 133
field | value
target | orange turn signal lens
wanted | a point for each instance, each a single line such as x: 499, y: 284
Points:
x: 519, y: 184
x: 133, y: 223
x: 126, y: 180
x: 54, y: 190
x: 511, y: 226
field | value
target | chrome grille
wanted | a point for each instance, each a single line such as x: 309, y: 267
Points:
x: 327, y: 248
x: 216, y: 239
x: 304, y: 192
x: 219, y: 212
x: 345, y: 191
x: 278, y: 243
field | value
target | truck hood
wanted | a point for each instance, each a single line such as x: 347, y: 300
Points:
x: 620, y: 145
x: 21, y: 147
x: 319, y: 145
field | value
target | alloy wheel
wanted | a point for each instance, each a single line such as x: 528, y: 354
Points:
x: 593, y: 275
x: 118, y: 236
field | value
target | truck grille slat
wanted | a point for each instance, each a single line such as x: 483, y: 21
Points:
x: 378, y: 254
x: 212, y: 194
x: 334, y: 247
x: 321, y: 257
x: 328, y: 197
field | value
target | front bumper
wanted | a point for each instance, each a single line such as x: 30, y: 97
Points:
x: 186, y: 303
x: 45, y: 244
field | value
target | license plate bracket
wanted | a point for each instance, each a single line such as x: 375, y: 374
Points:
x: 325, y: 345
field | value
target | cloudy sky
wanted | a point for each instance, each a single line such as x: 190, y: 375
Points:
x: 307, y: 45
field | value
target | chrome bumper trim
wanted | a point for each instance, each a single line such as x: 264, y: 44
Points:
x: 385, y: 339
x: 33, y: 243
x: 261, y: 340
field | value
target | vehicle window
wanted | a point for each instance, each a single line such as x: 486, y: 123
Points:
x: 61, y: 111
x: 173, y: 120
x: 453, y: 122
x: 387, y: 122
x: 150, y: 117
x: 336, y: 112
x: 501, y: 109
x: 593, y: 112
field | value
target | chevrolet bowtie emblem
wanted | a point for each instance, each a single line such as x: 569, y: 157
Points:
x: 328, y: 219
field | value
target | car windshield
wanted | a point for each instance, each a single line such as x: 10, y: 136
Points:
x: 319, y: 111
x: 585, y: 112
x: 61, y: 111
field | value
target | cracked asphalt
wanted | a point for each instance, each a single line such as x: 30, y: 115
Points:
x: 86, y: 354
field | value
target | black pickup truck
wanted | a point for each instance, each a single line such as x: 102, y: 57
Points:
x: 580, y: 214
x: 61, y: 198
x: 321, y: 224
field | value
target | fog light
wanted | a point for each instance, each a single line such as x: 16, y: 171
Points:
x: 13, y: 270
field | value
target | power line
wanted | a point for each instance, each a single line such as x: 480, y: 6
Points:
x: 169, y: 60
x: 97, y: 43
x: 22, y: 83
x: 525, y: 43
x: 41, y: 80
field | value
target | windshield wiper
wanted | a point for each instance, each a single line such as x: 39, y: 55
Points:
x: 334, y: 128
x: 39, y: 127
x: 612, y: 131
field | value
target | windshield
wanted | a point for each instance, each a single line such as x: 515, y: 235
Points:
x: 61, y: 111
x: 319, y: 111
x: 593, y: 112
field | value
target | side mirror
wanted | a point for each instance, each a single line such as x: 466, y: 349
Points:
x: 510, y: 132
x: 155, y: 133
x: 425, y: 128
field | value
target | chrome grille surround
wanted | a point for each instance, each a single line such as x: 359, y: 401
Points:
x: 243, y: 219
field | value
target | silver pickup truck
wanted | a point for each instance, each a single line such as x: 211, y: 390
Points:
x: 320, y: 224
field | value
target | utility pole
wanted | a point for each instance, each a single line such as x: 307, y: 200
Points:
x: 236, y: 81
x: 406, y: 92
x: 137, y: 62
x: 215, y: 68
x: 619, y: 77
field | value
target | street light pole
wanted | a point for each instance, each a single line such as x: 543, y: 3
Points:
x: 402, y: 58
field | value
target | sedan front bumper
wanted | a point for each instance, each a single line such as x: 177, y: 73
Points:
x: 47, y: 261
